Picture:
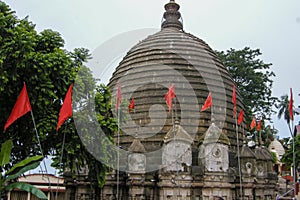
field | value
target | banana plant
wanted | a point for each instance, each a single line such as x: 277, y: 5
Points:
x: 8, y: 179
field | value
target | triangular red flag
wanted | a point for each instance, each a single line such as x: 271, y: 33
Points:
x: 240, y: 117
x: 234, y: 100
x: 21, y: 107
x: 66, y: 109
x: 119, y: 97
x: 169, y: 96
x: 253, y: 123
x: 258, y: 127
x: 208, y: 102
x: 291, y: 106
x: 131, y: 105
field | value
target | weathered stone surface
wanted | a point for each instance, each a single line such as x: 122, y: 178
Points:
x: 199, y: 153
x: 177, y: 156
x: 137, y: 146
x: 136, y: 163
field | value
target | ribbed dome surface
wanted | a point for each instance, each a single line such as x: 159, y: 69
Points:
x: 173, y: 56
x: 277, y: 147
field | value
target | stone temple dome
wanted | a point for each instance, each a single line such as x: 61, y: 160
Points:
x: 276, y: 146
x: 179, y: 151
x: 173, y: 56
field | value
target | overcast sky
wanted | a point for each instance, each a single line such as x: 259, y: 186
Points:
x: 273, y: 26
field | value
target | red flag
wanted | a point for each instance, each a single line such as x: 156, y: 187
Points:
x: 131, y: 105
x: 291, y: 106
x: 234, y: 100
x: 258, y: 128
x: 66, y: 109
x: 119, y: 97
x: 169, y: 96
x: 240, y: 117
x: 253, y: 123
x: 21, y: 107
x: 208, y: 102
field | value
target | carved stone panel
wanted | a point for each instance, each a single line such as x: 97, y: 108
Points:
x: 136, y: 163
x: 216, y: 157
x: 177, y: 155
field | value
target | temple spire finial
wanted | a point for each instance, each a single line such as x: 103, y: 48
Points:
x: 172, y: 16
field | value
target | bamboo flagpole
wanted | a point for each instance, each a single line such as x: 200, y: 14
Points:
x: 291, y: 112
x: 61, y: 157
x: 169, y: 101
x: 239, y: 159
x: 237, y: 137
x: 174, y: 129
x: 294, y: 160
x: 44, y: 162
x: 66, y: 111
x: 118, y: 109
x: 118, y: 154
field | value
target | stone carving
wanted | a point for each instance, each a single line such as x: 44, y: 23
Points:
x: 177, y: 156
x: 137, y: 163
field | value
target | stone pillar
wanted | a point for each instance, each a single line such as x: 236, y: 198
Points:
x: 70, y: 185
x: 108, y: 191
x: 214, y: 160
x: 84, y: 186
x: 248, y: 163
x: 136, y: 176
x: 175, y: 179
x: 173, y: 186
x: 136, y: 163
x: 271, y: 180
x: 261, y: 172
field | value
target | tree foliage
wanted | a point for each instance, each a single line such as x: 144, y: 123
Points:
x: 253, y: 78
x: 287, y: 158
x: 7, y: 179
x: 268, y: 134
x: 76, y: 155
x: 283, y: 110
x: 285, y: 142
x: 40, y: 60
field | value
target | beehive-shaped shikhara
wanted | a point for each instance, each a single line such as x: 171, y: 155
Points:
x: 168, y: 57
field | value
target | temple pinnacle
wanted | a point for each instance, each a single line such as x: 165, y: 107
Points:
x: 172, y: 16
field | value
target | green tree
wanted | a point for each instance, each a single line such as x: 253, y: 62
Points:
x: 287, y: 158
x: 253, y: 78
x: 76, y: 156
x: 8, y: 178
x: 48, y: 70
x: 285, y: 142
x: 268, y: 134
x: 40, y: 60
x: 283, y: 110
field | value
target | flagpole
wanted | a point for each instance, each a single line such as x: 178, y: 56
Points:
x: 61, y: 157
x: 260, y: 137
x: 37, y: 136
x: 237, y: 136
x: 238, y: 151
x: 173, y: 130
x: 118, y: 153
x: 291, y: 112
x: 173, y: 124
x: 294, y: 158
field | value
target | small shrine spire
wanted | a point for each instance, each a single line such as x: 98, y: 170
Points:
x: 172, y: 16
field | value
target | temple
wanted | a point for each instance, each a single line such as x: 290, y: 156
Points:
x: 183, y: 153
